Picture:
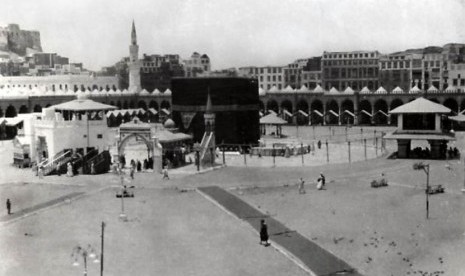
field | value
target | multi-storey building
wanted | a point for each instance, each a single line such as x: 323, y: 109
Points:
x: 350, y: 69
x: 401, y: 69
x: 197, y: 64
x: 457, y: 76
x: 293, y: 72
x: 267, y: 76
x: 311, y: 74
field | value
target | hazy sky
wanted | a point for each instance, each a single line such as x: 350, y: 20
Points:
x: 235, y: 33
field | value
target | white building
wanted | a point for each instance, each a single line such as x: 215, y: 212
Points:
x: 77, y: 126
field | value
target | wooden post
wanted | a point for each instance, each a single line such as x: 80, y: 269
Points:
x: 365, y: 148
x: 348, y: 144
x: 327, y: 152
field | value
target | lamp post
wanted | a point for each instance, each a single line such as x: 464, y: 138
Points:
x: 85, y: 253
x: 425, y: 168
x: 196, y: 147
x: 122, y: 215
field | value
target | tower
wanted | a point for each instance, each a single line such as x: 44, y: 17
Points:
x: 209, y: 117
x: 134, y: 63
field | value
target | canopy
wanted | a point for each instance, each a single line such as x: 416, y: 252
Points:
x: 272, y: 119
x: 459, y: 118
x: 318, y: 89
x: 82, y: 105
x: 420, y: 105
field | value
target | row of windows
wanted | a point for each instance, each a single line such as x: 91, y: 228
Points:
x: 395, y: 64
x: 354, y: 55
x: 350, y: 62
x: 456, y: 82
x: 273, y: 70
x: 337, y: 73
x: 271, y: 78
x: 268, y: 87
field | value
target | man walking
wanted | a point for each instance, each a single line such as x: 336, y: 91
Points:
x: 165, y: 173
x: 8, y: 206
x: 264, y: 233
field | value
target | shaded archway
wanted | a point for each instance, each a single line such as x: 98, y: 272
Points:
x: 365, y: 112
x: 132, y: 104
x: 395, y: 103
x: 37, y: 108
x: 10, y: 111
x: 118, y: 104
x: 380, y: 116
x: 301, y: 108
x: 317, y: 112
x: 154, y: 105
x: 452, y: 104
x: 142, y: 104
x: 261, y: 106
x: 286, y: 108
x: 347, y: 109
x: 165, y: 104
x: 332, y: 111
x: 272, y: 105
x: 125, y: 105
x: 23, y: 109
x: 1, y: 112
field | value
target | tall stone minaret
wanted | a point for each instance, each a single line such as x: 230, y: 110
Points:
x: 134, y: 63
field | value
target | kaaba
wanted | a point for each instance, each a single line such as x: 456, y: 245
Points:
x: 234, y: 101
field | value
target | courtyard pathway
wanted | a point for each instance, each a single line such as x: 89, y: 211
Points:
x: 316, y: 259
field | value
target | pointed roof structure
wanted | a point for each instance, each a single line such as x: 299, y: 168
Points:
x: 133, y: 34
x: 333, y: 90
x: 272, y: 119
x: 261, y: 91
x: 365, y: 90
x: 432, y: 89
x: 381, y: 90
x: 414, y: 90
x: 397, y: 90
x: 420, y: 105
x: 288, y: 89
x: 304, y: 88
x: 318, y: 89
x: 208, y: 107
x: 451, y: 88
x: 348, y: 90
x: 82, y: 103
x: 273, y: 89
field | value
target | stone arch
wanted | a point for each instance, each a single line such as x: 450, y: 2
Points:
x: 302, y: 105
x: 333, y: 106
x: 165, y: 105
x: 272, y: 105
x: 287, y: 105
x: 142, y: 104
x: 380, y: 113
x: 10, y: 111
x: 37, y: 108
x: 132, y: 104
x: 261, y: 105
x: 347, y: 106
x: 365, y: 107
x: 125, y: 105
x: 452, y: 104
x: 122, y: 143
x: 462, y: 105
x: 153, y: 104
x: 317, y: 112
x: 395, y: 103
x: 23, y: 109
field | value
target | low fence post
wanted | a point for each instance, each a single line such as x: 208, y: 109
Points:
x: 376, y: 145
x: 274, y: 156
x: 348, y: 144
x: 224, y: 158
x: 245, y: 156
x: 365, y: 148
x: 327, y: 152
x: 302, y: 152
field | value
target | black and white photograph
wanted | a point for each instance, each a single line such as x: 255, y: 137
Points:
x: 232, y: 137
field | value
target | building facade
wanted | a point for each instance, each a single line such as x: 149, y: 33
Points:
x: 267, y: 76
x: 350, y: 69
x: 197, y: 64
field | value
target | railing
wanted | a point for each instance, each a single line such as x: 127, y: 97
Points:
x: 52, y: 165
x: 97, y: 160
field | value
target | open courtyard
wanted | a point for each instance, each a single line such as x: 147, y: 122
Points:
x: 172, y: 229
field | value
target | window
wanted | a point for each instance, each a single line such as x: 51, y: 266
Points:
x: 274, y: 78
x: 454, y: 82
x: 99, y: 136
x: 462, y: 82
x: 261, y: 78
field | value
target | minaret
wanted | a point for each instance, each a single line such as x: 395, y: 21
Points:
x: 134, y: 63
x: 209, y: 116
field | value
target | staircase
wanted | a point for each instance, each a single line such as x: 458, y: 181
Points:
x: 59, y: 160
x: 101, y: 163
x: 208, y: 141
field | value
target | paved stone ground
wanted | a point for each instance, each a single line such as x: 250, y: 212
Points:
x: 315, y: 258
x: 163, y: 225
